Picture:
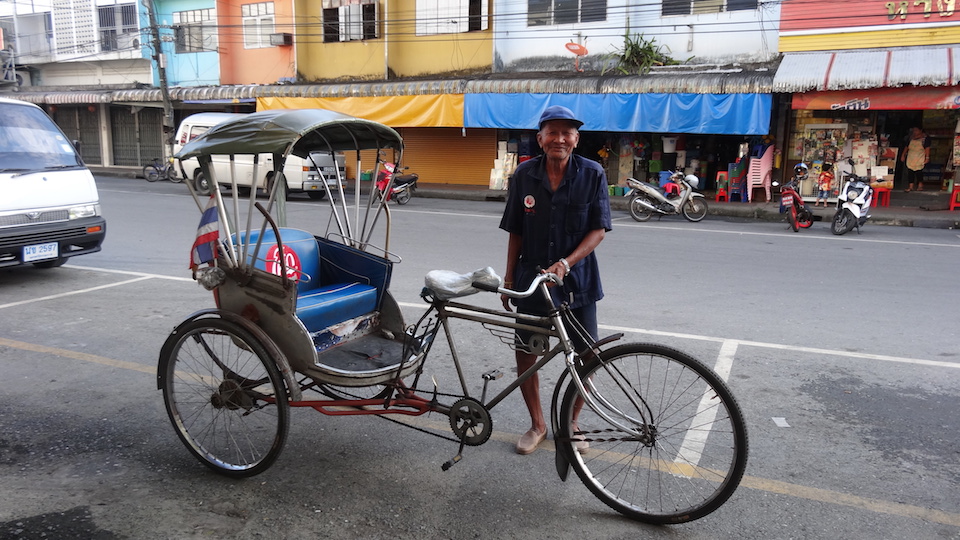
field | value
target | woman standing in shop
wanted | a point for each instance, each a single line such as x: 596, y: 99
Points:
x: 915, y: 156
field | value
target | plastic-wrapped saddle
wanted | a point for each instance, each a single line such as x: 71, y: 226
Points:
x: 447, y: 284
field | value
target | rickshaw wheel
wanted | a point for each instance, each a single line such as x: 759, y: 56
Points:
x: 225, y: 396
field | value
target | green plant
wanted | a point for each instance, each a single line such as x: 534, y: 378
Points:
x: 638, y: 55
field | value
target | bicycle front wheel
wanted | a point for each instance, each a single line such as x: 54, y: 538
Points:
x: 225, y: 396
x: 686, y: 450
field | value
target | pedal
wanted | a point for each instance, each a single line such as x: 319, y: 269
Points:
x: 487, y: 377
x: 492, y: 375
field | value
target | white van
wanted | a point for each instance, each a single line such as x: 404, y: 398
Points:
x: 49, y: 205
x: 302, y: 176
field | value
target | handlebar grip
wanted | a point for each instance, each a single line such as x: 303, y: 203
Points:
x: 484, y: 286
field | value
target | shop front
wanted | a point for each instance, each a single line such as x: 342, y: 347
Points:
x: 861, y: 105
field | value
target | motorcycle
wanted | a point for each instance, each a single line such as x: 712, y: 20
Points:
x: 791, y: 202
x: 403, y: 185
x: 853, y: 203
x: 647, y: 200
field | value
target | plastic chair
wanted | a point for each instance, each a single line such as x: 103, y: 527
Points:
x: 759, y: 173
x: 671, y: 187
x: 881, y: 196
x: 738, y: 180
x: 721, y: 182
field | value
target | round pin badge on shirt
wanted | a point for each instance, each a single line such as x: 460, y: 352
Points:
x: 529, y: 201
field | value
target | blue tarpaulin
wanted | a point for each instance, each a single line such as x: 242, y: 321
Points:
x: 718, y: 114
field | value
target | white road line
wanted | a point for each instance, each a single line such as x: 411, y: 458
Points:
x: 691, y: 449
x: 71, y: 293
x: 130, y: 273
x: 760, y: 344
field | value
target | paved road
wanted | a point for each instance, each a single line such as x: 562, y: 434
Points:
x: 840, y: 349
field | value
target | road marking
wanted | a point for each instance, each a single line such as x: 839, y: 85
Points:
x: 71, y: 293
x: 131, y: 273
x: 760, y: 344
x: 790, y: 235
x: 691, y: 448
x: 750, y: 482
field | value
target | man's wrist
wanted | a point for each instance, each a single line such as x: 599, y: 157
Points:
x: 566, y: 265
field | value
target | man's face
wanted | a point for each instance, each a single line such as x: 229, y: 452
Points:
x: 558, y: 138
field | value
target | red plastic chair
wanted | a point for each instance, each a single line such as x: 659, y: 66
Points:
x: 671, y: 187
x: 881, y: 196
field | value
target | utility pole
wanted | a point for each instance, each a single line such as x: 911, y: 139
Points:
x: 160, y: 59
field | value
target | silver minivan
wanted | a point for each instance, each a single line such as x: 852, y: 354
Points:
x: 301, y: 174
x: 49, y: 204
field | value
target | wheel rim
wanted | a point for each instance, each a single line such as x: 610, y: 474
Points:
x: 227, y: 405
x: 695, y: 209
x: 678, y: 473
x: 638, y: 211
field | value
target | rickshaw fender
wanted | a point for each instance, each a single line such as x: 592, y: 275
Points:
x: 562, y: 454
x: 278, y: 357
x: 561, y: 457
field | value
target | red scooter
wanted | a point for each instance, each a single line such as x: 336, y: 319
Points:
x: 791, y: 203
x: 403, y: 185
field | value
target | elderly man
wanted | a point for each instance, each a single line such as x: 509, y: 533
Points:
x: 557, y: 213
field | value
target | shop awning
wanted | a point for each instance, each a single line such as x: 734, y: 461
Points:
x: 868, y: 68
x: 717, y: 114
x: 438, y: 110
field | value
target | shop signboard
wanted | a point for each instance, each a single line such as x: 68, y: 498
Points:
x: 917, y: 98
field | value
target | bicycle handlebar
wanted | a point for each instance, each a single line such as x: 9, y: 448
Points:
x: 546, y: 276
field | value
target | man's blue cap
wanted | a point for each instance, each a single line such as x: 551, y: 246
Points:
x: 558, y: 112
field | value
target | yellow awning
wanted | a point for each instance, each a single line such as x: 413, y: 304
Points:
x: 436, y: 110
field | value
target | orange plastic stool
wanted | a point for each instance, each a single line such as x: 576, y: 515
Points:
x: 721, y: 194
x: 881, y: 196
x: 955, y: 198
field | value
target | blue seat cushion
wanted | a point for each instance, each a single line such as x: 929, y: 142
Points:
x: 331, y: 304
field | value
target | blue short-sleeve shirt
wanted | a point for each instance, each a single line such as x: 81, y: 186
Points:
x: 552, y: 224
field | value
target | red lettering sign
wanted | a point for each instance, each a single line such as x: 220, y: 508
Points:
x: 290, y: 260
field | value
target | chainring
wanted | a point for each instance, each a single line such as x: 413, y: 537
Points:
x: 470, y: 422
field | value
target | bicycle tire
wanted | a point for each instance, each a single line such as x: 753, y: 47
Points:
x: 224, y: 396
x: 151, y: 173
x: 172, y: 174
x: 692, y: 463
x: 792, y: 218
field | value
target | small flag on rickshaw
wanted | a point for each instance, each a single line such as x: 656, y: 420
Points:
x: 208, y: 233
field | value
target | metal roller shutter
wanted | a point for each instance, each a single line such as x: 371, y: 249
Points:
x: 445, y: 156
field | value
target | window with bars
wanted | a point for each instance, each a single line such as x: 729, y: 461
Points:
x: 195, y: 30
x: 355, y: 21
x: 118, y: 27
x: 258, y: 24
x: 450, y: 16
x: 688, y: 7
x: 550, y: 12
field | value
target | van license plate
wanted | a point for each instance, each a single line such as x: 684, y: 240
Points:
x: 41, y: 252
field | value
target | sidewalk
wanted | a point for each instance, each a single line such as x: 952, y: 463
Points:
x: 927, y: 209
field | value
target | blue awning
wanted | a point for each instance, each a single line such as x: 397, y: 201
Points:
x: 717, y: 114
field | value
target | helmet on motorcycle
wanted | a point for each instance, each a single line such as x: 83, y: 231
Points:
x: 692, y: 180
x: 800, y: 169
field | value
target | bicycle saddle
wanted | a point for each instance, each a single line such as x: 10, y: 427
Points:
x: 447, y: 284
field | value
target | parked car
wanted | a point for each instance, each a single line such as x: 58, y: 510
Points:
x: 302, y: 175
x: 49, y: 204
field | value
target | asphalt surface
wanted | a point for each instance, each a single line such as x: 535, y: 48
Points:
x: 928, y: 209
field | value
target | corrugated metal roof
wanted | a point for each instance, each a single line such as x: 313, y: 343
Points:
x: 868, y: 68
x: 703, y: 81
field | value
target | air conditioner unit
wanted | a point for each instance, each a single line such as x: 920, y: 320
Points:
x: 281, y: 40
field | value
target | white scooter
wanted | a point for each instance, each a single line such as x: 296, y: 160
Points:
x: 853, y: 205
x: 647, y: 200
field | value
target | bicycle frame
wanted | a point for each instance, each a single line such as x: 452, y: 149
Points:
x: 407, y: 402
